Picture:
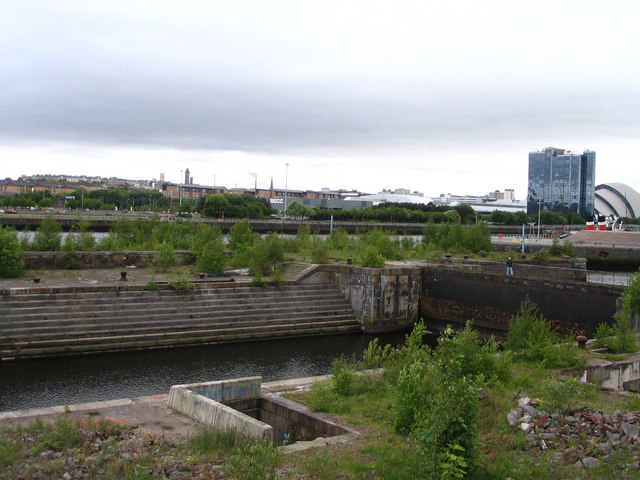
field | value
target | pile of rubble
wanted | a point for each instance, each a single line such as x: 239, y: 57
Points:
x: 585, y: 438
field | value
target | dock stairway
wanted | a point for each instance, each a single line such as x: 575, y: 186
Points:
x: 86, y: 320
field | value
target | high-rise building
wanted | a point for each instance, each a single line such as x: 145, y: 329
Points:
x: 561, y: 181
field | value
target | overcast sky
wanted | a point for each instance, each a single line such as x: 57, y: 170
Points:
x: 435, y: 96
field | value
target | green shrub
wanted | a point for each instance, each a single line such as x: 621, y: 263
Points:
x: 530, y: 337
x: 71, y: 261
x: 181, y: 283
x: 203, y: 237
x: 11, y: 253
x: 342, y: 378
x: 448, y: 423
x: 411, y: 392
x: 371, y: 258
x: 339, y: 239
x: 624, y: 338
x: 164, y: 258
x: 542, y: 256
x: 241, y: 236
x: 264, y: 254
x: 464, y: 354
x: 566, y: 396
x: 319, y: 251
x: 48, y: 236
x: 375, y: 356
x: 303, y: 237
x: 211, y: 258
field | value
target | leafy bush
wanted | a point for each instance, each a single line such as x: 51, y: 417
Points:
x: 303, y: 236
x: 448, y: 423
x: 342, y: 377
x: 464, y: 354
x: 48, y: 236
x: 371, y: 258
x: 339, y: 239
x: 241, y: 236
x: 542, y: 256
x: 319, y: 251
x: 530, y: 337
x: 265, y: 254
x: 181, y: 283
x: 203, y: 237
x: 164, y: 258
x: 566, y: 248
x: 620, y: 337
x: 624, y: 338
x: 211, y: 258
x: 375, y: 356
x: 411, y: 392
x: 11, y: 253
x: 382, y: 244
x: 567, y: 396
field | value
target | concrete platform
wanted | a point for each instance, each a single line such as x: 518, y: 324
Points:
x: 149, y: 414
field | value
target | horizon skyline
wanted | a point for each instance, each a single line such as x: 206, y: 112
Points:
x: 451, y: 96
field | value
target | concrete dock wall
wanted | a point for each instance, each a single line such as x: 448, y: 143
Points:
x: 383, y: 299
x: 92, y: 259
x: 186, y: 400
x: 490, y: 301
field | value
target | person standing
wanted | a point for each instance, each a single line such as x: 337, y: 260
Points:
x: 509, y: 266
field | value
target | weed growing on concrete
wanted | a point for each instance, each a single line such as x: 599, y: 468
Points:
x: 181, y: 283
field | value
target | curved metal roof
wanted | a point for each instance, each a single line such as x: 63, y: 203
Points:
x: 617, y: 199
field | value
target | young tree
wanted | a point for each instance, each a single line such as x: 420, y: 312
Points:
x: 48, y: 237
x: 12, y: 264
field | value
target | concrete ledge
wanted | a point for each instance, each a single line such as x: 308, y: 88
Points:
x: 196, y: 402
x: 621, y: 375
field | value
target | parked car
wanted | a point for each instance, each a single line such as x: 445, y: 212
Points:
x: 9, y: 211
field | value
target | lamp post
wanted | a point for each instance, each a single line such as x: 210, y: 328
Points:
x: 539, y: 208
x: 286, y: 187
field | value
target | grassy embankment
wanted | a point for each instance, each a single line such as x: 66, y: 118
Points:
x: 432, y: 413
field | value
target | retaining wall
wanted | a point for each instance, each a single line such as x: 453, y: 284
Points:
x: 383, y: 299
x: 37, y: 260
x: 490, y: 301
x: 621, y: 375
x: 187, y: 400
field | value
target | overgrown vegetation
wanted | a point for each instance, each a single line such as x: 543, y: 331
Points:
x: 620, y: 337
x: 12, y: 264
x: 434, y: 413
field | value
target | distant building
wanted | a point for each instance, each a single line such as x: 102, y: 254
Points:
x: 561, y: 181
x: 617, y: 200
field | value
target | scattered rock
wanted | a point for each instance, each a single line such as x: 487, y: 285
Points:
x: 513, y: 416
x: 631, y: 430
x: 588, y: 432
x: 587, y: 462
x: 524, y: 401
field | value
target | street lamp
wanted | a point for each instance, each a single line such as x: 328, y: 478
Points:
x: 539, y: 208
x: 286, y: 187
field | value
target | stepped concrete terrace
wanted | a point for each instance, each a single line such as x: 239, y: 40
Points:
x: 64, y: 318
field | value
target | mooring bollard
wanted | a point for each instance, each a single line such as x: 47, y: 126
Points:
x: 582, y: 341
x: 123, y: 276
